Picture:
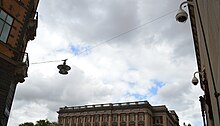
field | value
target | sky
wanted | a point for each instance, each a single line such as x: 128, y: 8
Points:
x: 118, y: 51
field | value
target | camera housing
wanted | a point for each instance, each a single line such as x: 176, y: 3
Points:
x: 195, y: 81
x: 181, y: 16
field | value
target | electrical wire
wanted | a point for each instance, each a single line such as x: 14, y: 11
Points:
x: 47, y: 61
x: 114, y: 37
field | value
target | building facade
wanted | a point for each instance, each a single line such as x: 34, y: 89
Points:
x: 139, y: 113
x: 18, y: 23
x: 205, y: 23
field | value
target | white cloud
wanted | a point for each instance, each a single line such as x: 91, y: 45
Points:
x: 116, y: 71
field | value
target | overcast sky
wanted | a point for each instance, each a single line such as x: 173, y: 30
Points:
x: 154, y: 62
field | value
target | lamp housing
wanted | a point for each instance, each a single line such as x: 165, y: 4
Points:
x: 63, y: 68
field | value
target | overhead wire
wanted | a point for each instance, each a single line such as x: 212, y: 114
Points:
x: 114, y: 37
x: 47, y: 61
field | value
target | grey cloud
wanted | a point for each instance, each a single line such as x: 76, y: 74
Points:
x: 91, y: 21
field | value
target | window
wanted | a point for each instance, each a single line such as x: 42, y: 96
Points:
x: 96, y: 118
x: 87, y: 118
x: 157, y: 120
x: 140, y: 116
x: 80, y: 119
x: 73, y: 121
x: 5, y: 25
x: 67, y: 121
x: 60, y: 120
x: 114, y: 118
x: 104, y: 118
x: 131, y: 117
x: 123, y: 117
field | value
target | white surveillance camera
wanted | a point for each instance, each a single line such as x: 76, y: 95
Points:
x: 195, y: 81
x: 181, y: 16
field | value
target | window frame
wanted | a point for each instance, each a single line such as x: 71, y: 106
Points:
x: 6, y: 21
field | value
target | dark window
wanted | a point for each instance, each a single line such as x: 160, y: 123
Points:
x: 158, y: 120
x: 80, y: 119
x: 60, y: 120
x: 123, y: 117
x: 67, y: 121
x: 131, y: 117
x: 114, y: 118
x: 5, y: 25
x: 87, y: 118
x: 96, y: 118
x: 140, y: 116
x: 104, y: 118
x: 73, y: 121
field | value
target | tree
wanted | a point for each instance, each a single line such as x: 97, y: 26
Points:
x: 27, y: 124
x: 40, y: 123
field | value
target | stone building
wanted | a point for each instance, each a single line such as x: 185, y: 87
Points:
x: 205, y: 23
x: 18, y: 23
x: 139, y: 113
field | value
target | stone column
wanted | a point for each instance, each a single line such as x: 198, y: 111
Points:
x: 146, y: 120
x: 127, y: 119
x: 77, y: 120
x: 164, y: 120
x: 119, y: 119
x: 92, y: 120
x: 63, y: 118
x: 84, y: 120
x: 109, y: 119
x: 71, y: 120
x: 100, y: 119
x: 136, y: 119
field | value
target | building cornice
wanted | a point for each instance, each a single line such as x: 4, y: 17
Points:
x: 195, y: 34
x: 107, y: 106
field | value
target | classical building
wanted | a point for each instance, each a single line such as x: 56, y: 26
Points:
x: 139, y: 113
x: 18, y: 23
x: 205, y: 23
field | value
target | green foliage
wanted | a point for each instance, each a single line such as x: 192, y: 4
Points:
x: 27, y: 124
x: 40, y: 123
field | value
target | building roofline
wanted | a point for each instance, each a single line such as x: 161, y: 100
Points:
x: 170, y: 113
x: 105, y: 106
x: 191, y: 9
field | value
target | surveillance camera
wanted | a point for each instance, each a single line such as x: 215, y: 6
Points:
x: 181, y: 16
x: 195, y: 81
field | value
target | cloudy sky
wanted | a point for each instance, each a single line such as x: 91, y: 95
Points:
x: 118, y: 50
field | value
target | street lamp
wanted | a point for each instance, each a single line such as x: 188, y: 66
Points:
x: 63, y: 68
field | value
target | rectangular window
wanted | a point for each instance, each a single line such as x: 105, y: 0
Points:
x: 60, y: 120
x: 140, y: 116
x: 80, y: 119
x: 131, y: 117
x: 104, y: 118
x: 96, y: 118
x: 5, y: 25
x: 123, y: 117
x: 114, y: 117
x: 73, y: 121
x: 67, y: 121
x: 88, y: 119
x: 157, y: 120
